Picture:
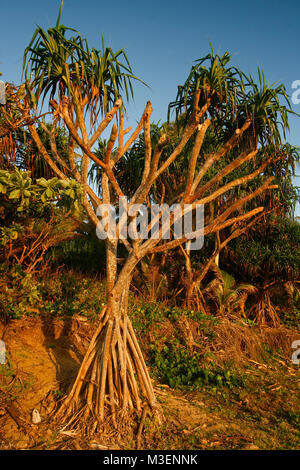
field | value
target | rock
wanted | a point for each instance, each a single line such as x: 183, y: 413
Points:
x: 35, y: 417
x: 97, y: 445
x: 251, y: 447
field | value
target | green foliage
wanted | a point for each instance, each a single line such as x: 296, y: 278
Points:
x: 273, y: 250
x: 17, y: 191
x: 61, y: 295
x: 31, y: 159
x: 292, y: 417
x: 17, y: 187
x: 69, y: 293
x: 19, y: 293
x: 60, y: 60
x: 66, y: 192
x: 8, y: 234
x: 23, y: 202
x: 264, y: 103
x: 84, y: 254
x: 145, y: 314
x: 212, y: 73
x: 177, y: 367
x: 227, y: 294
x: 169, y: 357
x: 234, y: 98
x: 268, y: 257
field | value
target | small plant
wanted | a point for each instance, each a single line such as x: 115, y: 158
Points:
x: 58, y: 393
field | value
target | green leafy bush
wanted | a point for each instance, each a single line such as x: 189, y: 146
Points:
x: 35, y: 216
x: 177, y: 367
x: 69, y: 293
x: 21, y: 199
x: 19, y: 293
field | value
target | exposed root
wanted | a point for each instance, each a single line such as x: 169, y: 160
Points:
x: 264, y: 312
x: 140, y: 429
x: 113, y: 381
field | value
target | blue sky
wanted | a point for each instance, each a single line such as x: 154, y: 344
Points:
x: 163, y: 38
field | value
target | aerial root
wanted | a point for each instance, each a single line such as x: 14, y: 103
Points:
x: 113, y: 381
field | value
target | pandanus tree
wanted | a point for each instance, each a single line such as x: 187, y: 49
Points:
x: 86, y: 88
x: 268, y: 257
x: 232, y: 98
x: 261, y: 144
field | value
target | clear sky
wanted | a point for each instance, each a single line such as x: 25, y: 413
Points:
x: 162, y: 38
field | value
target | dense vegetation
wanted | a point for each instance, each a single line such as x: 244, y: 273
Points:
x: 201, y: 317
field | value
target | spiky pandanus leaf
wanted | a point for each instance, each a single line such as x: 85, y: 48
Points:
x: 59, y: 61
